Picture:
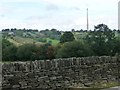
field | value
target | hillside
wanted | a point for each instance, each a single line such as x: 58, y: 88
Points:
x: 23, y: 36
x: 17, y: 40
x: 20, y: 37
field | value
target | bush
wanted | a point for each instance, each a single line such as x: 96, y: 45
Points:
x: 26, y: 52
x: 42, y: 40
x: 74, y: 49
x: 67, y: 37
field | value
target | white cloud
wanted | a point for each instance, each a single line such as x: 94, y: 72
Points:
x: 61, y: 14
x: 80, y: 21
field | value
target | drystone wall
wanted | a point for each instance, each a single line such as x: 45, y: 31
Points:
x: 58, y: 74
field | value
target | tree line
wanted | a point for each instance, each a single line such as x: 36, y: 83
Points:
x: 99, y: 42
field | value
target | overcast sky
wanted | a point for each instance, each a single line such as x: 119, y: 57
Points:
x: 59, y: 14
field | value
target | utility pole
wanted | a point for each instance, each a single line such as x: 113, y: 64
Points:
x: 119, y: 15
x: 87, y: 21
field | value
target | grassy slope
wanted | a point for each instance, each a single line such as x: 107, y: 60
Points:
x: 14, y: 42
x: 20, y: 41
x: 54, y: 42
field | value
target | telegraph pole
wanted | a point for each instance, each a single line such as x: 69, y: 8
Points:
x: 87, y: 21
x: 119, y: 15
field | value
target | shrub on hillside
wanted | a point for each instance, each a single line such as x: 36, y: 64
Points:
x: 74, y: 49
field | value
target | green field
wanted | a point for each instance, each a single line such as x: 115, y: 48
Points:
x: 54, y: 42
x: 20, y: 41
x: 17, y: 40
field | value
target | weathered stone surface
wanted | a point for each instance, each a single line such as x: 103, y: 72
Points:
x: 60, y: 73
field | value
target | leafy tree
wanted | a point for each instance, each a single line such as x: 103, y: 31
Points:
x: 53, y: 33
x: 73, y: 30
x: 43, y: 51
x: 116, y: 45
x: 74, y: 49
x: 42, y: 39
x: 26, y: 52
x: 67, y: 37
x: 8, y: 51
x: 5, y: 43
x: 50, y: 52
x: 101, y: 40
